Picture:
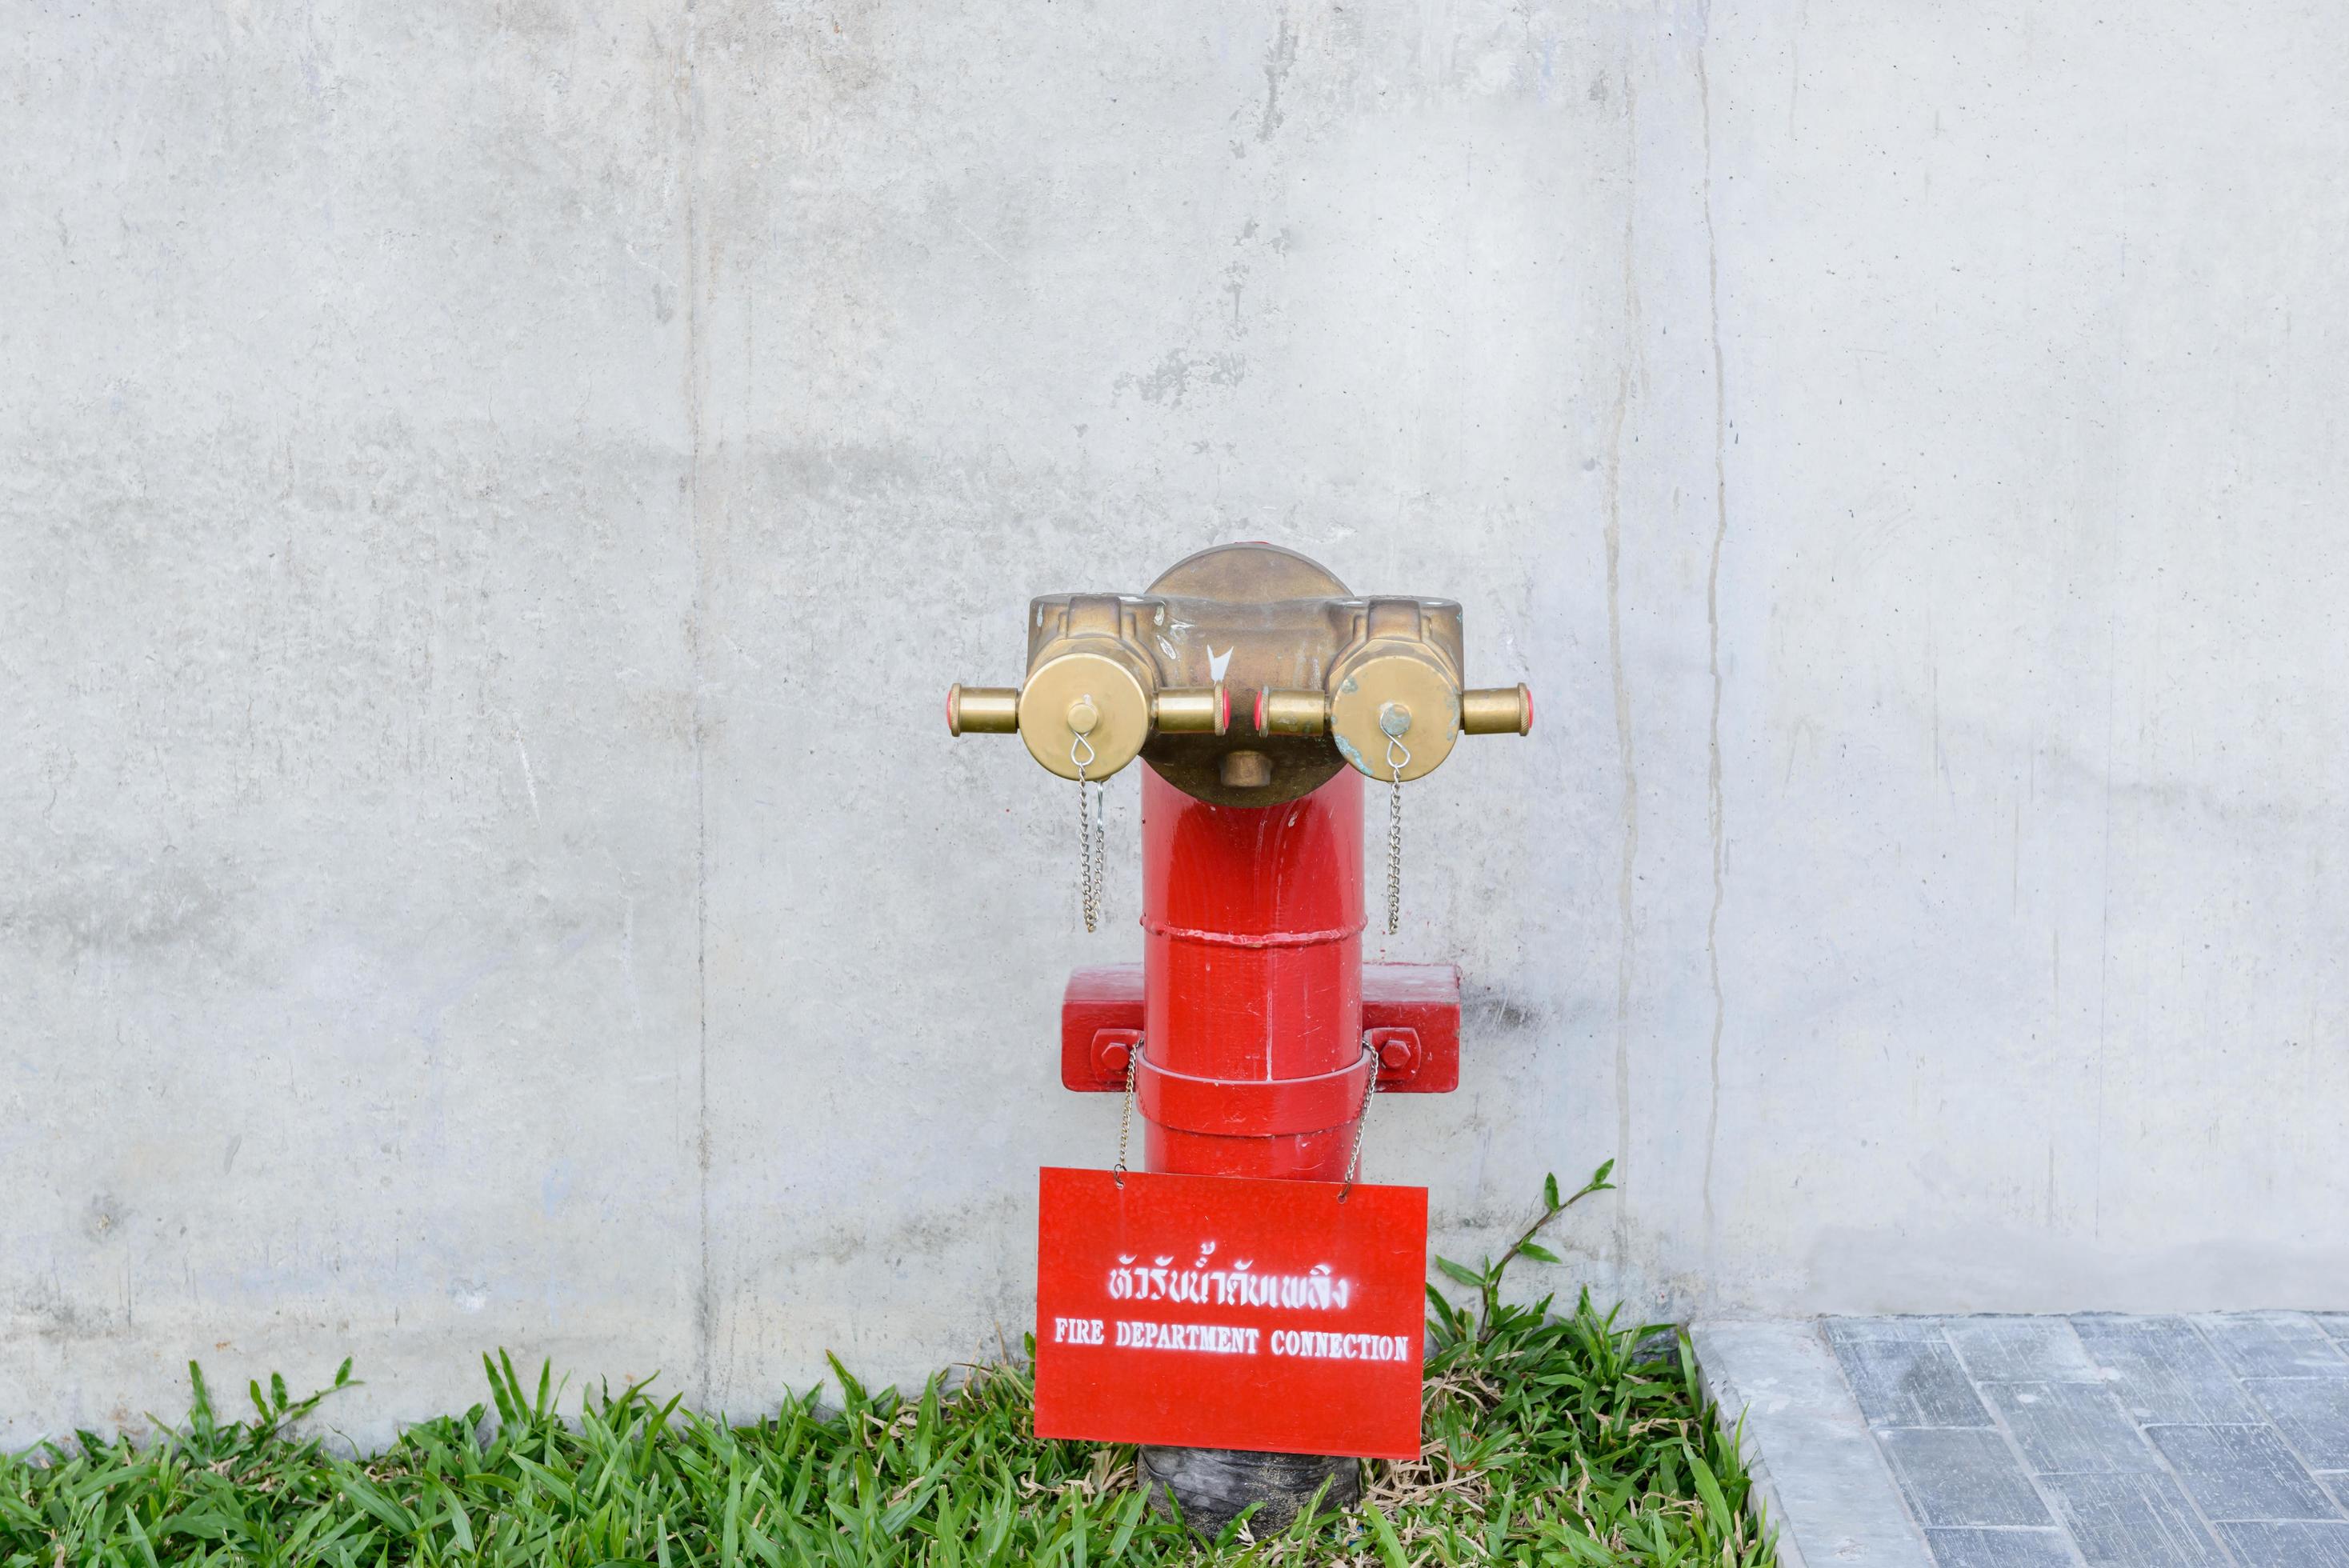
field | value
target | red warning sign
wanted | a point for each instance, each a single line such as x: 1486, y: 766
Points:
x: 1229, y: 1312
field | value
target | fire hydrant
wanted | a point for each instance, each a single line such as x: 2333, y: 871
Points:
x: 1261, y: 694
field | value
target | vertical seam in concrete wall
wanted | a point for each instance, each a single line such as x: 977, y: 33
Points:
x: 1713, y: 637
x: 704, y: 1301
x: 2104, y: 933
x: 1623, y: 738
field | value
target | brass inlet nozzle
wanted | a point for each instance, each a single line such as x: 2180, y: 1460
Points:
x: 1496, y: 710
x: 982, y: 710
x: 1192, y: 711
x: 1279, y: 712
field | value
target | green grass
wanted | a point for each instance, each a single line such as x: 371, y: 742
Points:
x: 1552, y: 1438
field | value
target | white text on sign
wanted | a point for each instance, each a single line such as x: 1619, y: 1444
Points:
x: 1315, y: 1289
x: 1230, y: 1340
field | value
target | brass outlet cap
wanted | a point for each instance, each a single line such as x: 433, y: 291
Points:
x: 1395, y: 686
x: 1058, y: 690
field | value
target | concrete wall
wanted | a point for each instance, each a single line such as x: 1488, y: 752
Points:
x: 493, y: 496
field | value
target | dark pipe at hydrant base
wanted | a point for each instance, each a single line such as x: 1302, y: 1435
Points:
x: 1215, y: 1486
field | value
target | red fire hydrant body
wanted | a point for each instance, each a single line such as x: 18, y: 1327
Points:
x: 1252, y: 983
x: 1263, y: 1021
x: 1252, y: 1033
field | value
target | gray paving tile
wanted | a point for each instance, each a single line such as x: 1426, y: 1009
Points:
x: 2313, y: 1414
x: 2162, y: 1369
x: 2273, y: 1345
x: 1817, y: 1468
x: 2263, y: 1545
x: 1956, y: 1475
x: 2241, y: 1472
x: 1904, y: 1373
x: 2337, y: 1483
x: 2000, y: 1549
x: 2132, y: 1521
x: 2019, y: 1349
x: 2071, y: 1427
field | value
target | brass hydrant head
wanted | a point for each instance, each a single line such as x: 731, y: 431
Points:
x: 1322, y: 678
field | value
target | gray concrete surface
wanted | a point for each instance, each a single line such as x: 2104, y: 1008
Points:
x: 2096, y: 1441
x: 491, y: 496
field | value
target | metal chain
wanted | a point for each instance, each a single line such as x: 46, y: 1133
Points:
x: 1362, y: 1120
x: 1394, y: 832
x: 1101, y: 851
x: 1089, y: 855
x: 1125, y: 1109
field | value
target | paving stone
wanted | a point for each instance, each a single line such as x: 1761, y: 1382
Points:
x: 2132, y: 1521
x: 2273, y: 1345
x: 1957, y: 1475
x: 2162, y: 1369
x: 1904, y: 1373
x: 1817, y: 1468
x: 2265, y: 1545
x: 2313, y: 1413
x: 2241, y: 1472
x: 2019, y: 1349
x: 2119, y: 1425
x: 2000, y: 1549
x: 2071, y: 1427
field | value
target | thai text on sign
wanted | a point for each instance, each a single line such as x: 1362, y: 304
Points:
x: 1225, y: 1312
